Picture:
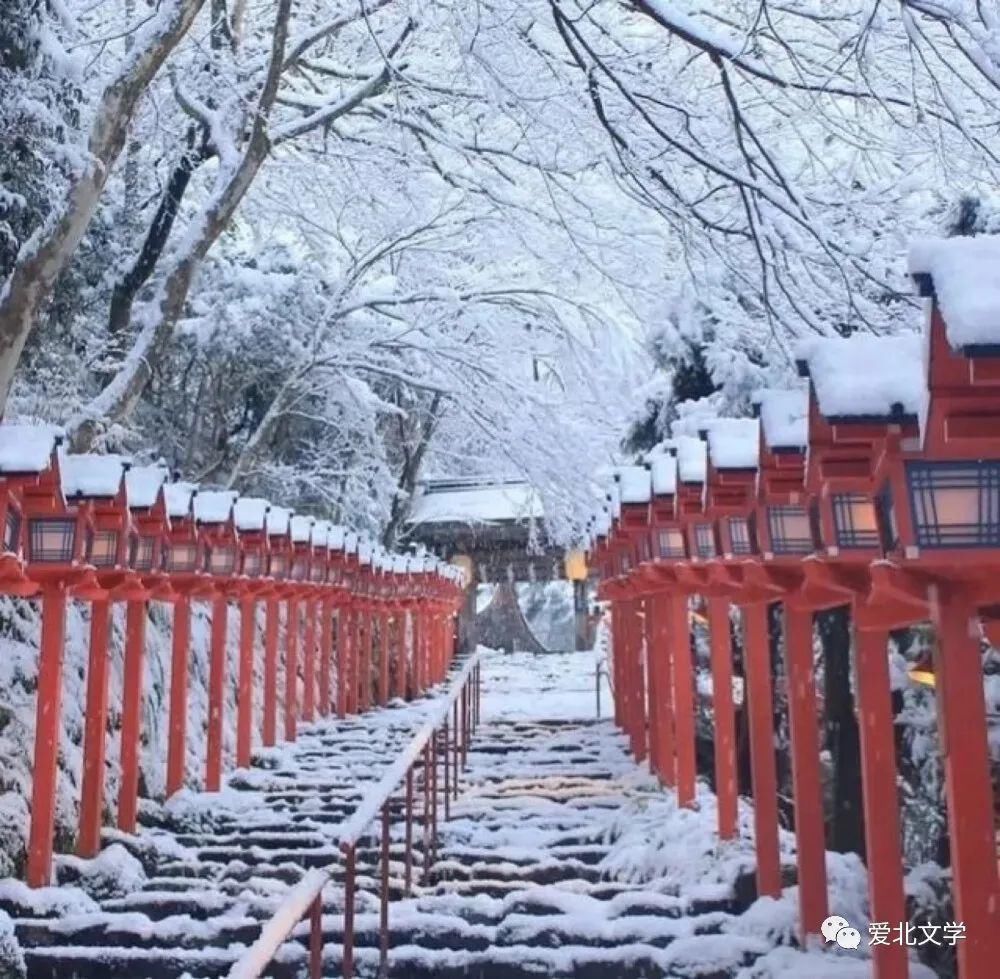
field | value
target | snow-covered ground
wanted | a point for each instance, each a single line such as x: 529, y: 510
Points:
x: 562, y: 856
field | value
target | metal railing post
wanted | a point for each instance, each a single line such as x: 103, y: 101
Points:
x: 447, y: 773
x: 383, y: 959
x: 350, y: 882
x: 408, y: 864
x: 316, y: 938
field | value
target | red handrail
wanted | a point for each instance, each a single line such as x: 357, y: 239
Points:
x: 458, y: 713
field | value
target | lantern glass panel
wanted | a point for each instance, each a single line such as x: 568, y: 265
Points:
x: 317, y: 573
x: 181, y: 557
x: 51, y: 540
x: 253, y: 563
x: 278, y: 566
x: 855, y: 520
x: 704, y: 540
x: 671, y: 543
x: 12, y: 529
x: 624, y: 562
x: 102, y: 549
x: 300, y: 568
x: 791, y: 529
x: 142, y: 551
x: 642, y: 546
x: 221, y: 560
x: 955, y: 504
x: 741, y: 537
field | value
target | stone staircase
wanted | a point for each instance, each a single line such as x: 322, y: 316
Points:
x: 521, y: 886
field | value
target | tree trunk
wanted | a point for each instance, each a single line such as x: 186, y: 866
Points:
x: 48, y: 251
x: 127, y: 288
x: 845, y: 832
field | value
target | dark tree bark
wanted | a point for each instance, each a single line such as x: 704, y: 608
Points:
x: 845, y: 828
x: 126, y: 290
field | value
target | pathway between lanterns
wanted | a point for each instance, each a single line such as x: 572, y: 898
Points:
x: 561, y: 857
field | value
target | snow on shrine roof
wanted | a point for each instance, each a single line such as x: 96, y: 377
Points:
x: 400, y: 564
x: 734, y: 443
x: 278, y: 519
x: 867, y: 376
x: 364, y: 550
x: 965, y: 274
x: 26, y: 448
x: 214, y: 506
x: 178, y: 498
x: 784, y: 417
x: 634, y: 484
x: 692, y: 459
x: 477, y: 504
x: 602, y: 523
x: 351, y: 542
x: 301, y: 528
x: 91, y: 475
x: 335, y: 537
x: 142, y: 485
x: 250, y: 512
x: 663, y: 472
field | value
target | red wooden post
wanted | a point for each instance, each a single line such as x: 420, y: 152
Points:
x: 383, y: 658
x: 177, y: 737
x: 48, y: 721
x: 400, y: 619
x: 656, y: 608
x: 638, y: 682
x: 881, y: 800
x: 325, y: 655
x: 343, y: 634
x: 216, y: 694
x: 269, y: 734
x: 680, y: 642
x: 309, y: 661
x: 760, y: 707
x: 291, y: 668
x: 352, y: 653
x: 135, y: 645
x: 725, y: 718
x: 244, y: 699
x: 962, y: 709
x: 95, y: 732
x: 365, y: 622
x: 804, y: 728
x: 654, y: 705
x: 417, y: 618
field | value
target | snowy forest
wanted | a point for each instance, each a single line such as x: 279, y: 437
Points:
x: 322, y: 250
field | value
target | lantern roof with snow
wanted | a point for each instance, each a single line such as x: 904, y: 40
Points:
x: 335, y: 537
x: 692, y: 459
x: 92, y: 476
x: 663, y: 471
x: 143, y: 485
x: 278, y: 520
x: 865, y: 377
x: 961, y: 275
x: 250, y: 514
x: 784, y: 418
x: 214, y: 506
x: 734, y: 443
x: 300, y: 528
x: 179, y: 497
x: 634, y: 484
x: 26, y: 449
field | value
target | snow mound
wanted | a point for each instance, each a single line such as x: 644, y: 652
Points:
x: 114, y: 872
